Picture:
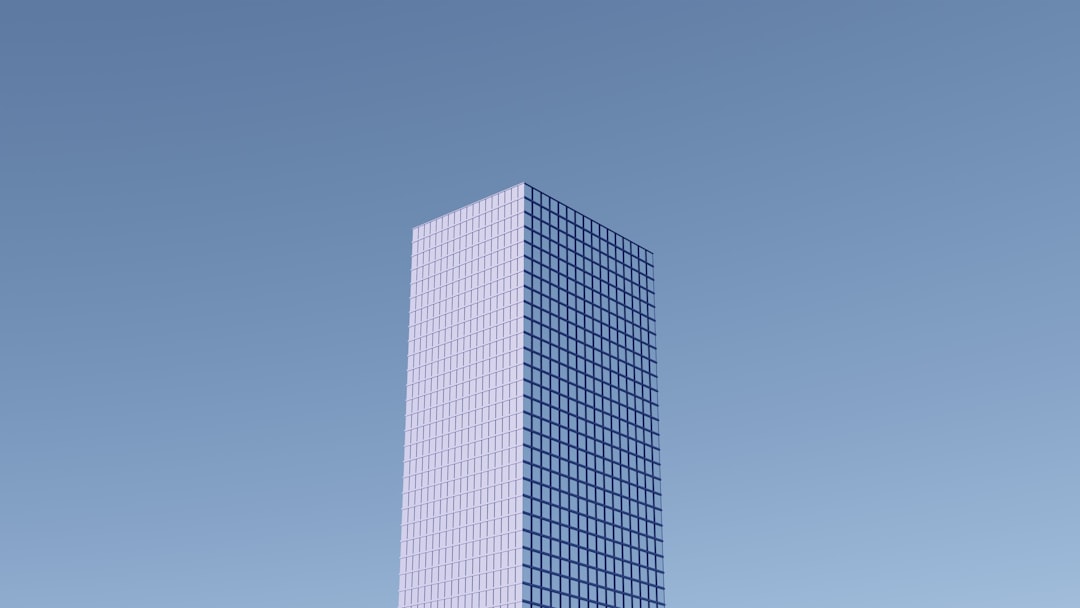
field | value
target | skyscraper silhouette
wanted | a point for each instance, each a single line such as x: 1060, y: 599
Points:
x: 532, y: 472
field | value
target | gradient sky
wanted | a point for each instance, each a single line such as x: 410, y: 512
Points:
x: 866, y: 219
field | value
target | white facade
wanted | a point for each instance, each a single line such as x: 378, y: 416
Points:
x: 461, y: 544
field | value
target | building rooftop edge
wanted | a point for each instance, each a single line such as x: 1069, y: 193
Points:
x: 455, y: 209
x: 587, y: 216
x: 525, y: 184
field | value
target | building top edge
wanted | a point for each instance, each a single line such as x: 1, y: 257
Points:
x: 516, y: 192
x: 519, y: 191
x: 527, y: 186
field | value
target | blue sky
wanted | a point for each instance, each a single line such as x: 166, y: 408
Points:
x: 865, y: 219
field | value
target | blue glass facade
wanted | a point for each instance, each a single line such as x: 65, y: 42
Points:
x: 591, y: 508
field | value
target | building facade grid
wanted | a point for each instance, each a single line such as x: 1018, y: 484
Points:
x: 461, y: 503
x: 532, y: 468
x: 592, y: 509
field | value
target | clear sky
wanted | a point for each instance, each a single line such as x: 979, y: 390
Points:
x: 866, y: 219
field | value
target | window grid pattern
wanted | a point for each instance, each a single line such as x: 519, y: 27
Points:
x: 592, y: 533
x: 461, y: 497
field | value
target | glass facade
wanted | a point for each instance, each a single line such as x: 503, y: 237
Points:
x: 592, y: 527
x: 531, y: 456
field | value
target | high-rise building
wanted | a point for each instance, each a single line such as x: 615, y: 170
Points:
x: 532, y: 468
